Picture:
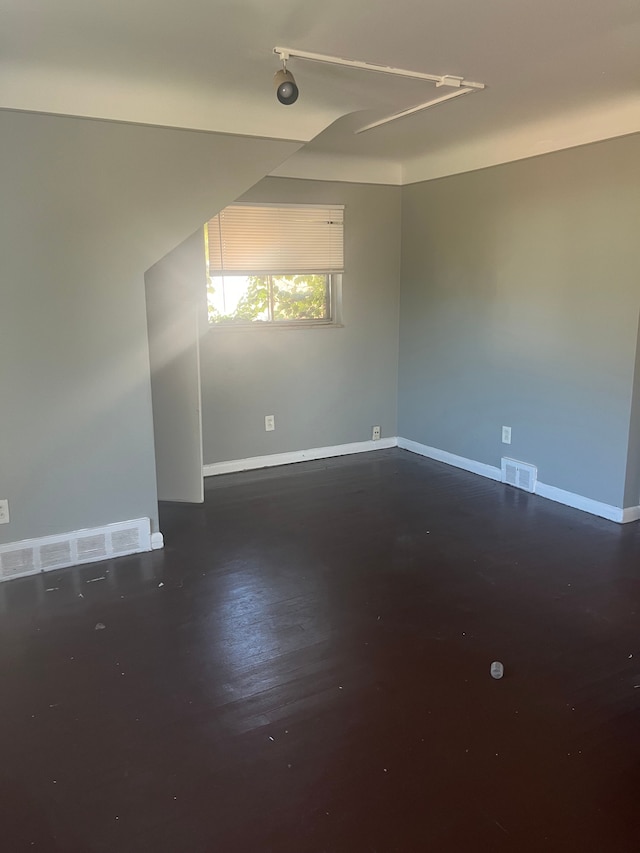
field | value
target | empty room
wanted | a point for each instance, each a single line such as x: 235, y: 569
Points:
x: 320, y: 427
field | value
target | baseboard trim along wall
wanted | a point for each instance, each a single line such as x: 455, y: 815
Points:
x: 254, y: 462
x: 611, y: 513
x: 157, y: 541
x: 451, y: 459
x: 46, y: 553
x: 630, y: 513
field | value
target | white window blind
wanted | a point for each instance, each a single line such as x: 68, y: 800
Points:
x: 263, y: 240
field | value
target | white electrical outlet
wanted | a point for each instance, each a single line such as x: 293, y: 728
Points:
x: 506, y: 435
x: 4, y: 512
x: 269, y: 422
x: 375, y: 433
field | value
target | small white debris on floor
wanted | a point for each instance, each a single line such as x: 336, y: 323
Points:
x: 80, y: 595
x: 95, y: 580
x: 497, y: 669
x: 100, y: 626
x: 270, y: 738
x: 54, y: 588
x: 160, y: 584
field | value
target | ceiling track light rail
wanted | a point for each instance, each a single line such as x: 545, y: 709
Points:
x: 286, y: 84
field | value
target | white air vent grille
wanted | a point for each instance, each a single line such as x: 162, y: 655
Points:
x: 55, y: 553
x: 125, y: 541
x: 70, y: 549
x: 92, y: 546
x: 519, y: 474
x: 17, y: 562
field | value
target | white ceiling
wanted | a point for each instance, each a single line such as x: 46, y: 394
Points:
x: 558, y: 73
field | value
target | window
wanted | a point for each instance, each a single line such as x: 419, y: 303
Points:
x: 270, y: 265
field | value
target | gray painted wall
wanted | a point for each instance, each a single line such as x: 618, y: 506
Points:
x: 519, y: 306
x: 87, y: 207
x: 632, y: 485
x: 326, y: 386
x: 173, y: 287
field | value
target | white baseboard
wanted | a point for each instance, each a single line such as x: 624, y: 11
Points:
x: 611, y: 513
x: 254, y: 462
x: 451, y: 459
x: 157, y: 541
x: 552, y: 493
x: 630, y: 513
x: 46, y: 553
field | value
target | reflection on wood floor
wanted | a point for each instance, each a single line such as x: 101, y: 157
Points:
x: 305, y: 669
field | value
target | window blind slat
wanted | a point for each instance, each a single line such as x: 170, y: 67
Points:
x: 246, y: 239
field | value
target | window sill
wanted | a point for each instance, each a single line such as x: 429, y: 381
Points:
x: 269, y: 327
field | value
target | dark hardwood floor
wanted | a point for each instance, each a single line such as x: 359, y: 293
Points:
x: 305, y: 669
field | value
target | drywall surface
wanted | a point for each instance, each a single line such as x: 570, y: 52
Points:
x: 87, y: 207
x: 632, y: 485
x: 172, y: 289
x: 325, y: 386
x: 519, y: 306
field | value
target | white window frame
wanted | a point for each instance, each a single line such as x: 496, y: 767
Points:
x: 334, y: 277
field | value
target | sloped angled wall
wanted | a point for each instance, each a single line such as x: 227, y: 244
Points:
x: 87, y: 207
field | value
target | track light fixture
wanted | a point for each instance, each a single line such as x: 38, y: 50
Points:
x: 286, y: 89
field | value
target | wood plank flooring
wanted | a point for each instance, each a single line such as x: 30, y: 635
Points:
x: 305, y: 669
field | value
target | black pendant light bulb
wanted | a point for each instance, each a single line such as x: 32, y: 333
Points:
x: 286, y: 89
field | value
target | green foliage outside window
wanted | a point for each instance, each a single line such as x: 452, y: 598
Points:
x: 269, y: 298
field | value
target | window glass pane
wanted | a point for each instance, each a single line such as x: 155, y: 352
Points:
x: 268, y: 299
x: 300, y: 297
x: 237, y: 297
